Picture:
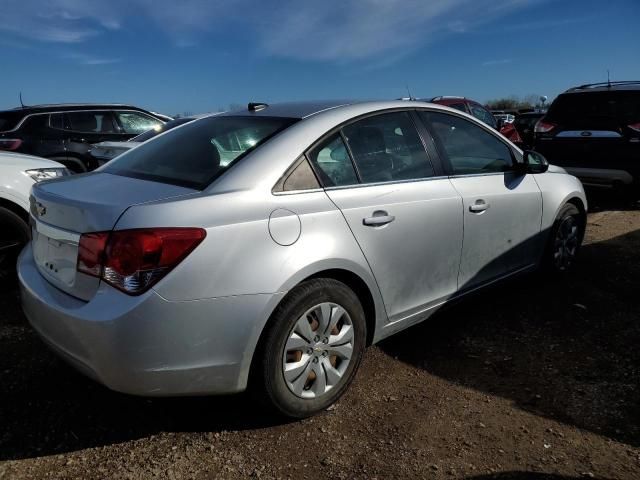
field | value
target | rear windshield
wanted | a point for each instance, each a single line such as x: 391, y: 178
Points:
x: 143, y: 137
x: 194, y: 155
x: 623, y: 107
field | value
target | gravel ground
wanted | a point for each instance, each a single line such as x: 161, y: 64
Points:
x: 532, y: 379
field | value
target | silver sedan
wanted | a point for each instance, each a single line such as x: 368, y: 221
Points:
x: 270, y: 246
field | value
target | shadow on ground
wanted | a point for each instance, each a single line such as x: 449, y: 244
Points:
x: 563, y: 349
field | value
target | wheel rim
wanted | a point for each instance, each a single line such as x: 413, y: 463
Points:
x: 318, y: 350
x: 566, y: 243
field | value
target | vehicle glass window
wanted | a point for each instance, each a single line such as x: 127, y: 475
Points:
x: 56, y: 120
x: 469, y: 148
x: 388, y: 148
x: 332, y: 163
x: 136, y: 123
x: 596, y: 109
x: 143, y: 137
x: 8, y: 121
x: 483, y: 115
x: 196, y: 154
x: 91, y: 122
x: 301, y: 178
x: 458, y: 106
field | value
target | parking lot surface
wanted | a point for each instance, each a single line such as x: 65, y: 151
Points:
x: 531, y: 379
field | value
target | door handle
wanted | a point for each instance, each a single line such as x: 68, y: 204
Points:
x: 379, y: 218
x: 479, y: 207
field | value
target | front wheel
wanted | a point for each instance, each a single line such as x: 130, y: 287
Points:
x: 565, y: 240
x: 312, y: 349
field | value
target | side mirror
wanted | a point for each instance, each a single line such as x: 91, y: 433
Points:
x: 533, y: 162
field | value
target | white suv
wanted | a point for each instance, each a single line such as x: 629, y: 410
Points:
x: 17, y: 174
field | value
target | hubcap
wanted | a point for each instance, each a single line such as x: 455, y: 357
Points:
x: 566, y: 243
x: 318, y: 350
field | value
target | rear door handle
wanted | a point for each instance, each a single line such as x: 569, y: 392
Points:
x: 479, y: 207
x: 379, y: 218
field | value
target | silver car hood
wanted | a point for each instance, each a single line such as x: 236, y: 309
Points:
x: 556, y: 169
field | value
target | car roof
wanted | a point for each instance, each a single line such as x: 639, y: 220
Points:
x: 606, y: 87
x: 301, y: 109
x: 63, y: 107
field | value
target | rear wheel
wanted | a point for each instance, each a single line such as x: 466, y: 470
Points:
x: 14, y: 234
x: 312, y: 349
x: 565, y: 240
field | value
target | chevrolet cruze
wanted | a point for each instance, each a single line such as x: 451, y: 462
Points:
x: 268, y: 247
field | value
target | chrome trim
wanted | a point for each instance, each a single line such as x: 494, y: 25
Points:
x: 63, y: 236
x: 392, y: 182
x: 588, y: 134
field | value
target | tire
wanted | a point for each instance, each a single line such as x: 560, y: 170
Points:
x: 14, y: 234
x: 299, y: 392
x: 564, y: 241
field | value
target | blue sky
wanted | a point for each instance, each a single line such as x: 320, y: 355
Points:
x: 199, y: 55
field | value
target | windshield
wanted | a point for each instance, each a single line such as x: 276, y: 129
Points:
x: 143, y: 137
x: 193, y: 156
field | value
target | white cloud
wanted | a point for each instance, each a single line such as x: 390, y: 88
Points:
x: 330, y: 30
x: 491, y: 63
x: 86, y: 59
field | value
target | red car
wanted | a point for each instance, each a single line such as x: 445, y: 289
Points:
x: 480, y: 112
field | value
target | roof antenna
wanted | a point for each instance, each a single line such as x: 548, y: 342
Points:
x: 409, y: 91
x: 608, y: 79
x: 21, y: 100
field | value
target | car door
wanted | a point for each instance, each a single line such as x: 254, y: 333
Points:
x: 406, y: 217
x: 502, y: 208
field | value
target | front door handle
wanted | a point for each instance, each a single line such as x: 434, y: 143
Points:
x: 379, y: 218
x: 479, y: 207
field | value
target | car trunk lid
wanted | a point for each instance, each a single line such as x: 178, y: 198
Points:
x: 63, y: 210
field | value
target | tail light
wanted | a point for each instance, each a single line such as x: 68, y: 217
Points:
x: 544, y: 127
x: 134, y: 260
x: 10, y: 143
x: 635, y: 126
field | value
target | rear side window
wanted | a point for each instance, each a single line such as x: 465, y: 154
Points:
x: 469, y: 148
x: 332, y: 163
x: 91, y: 122
x: 137, y: 123
x: 57, y: 120
x: 388, y: 148
x: 199, y: 152
x: 458, y: 106
x: 596, y: 109
x: 8, y: 121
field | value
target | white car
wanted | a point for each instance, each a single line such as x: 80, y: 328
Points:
x: 17, y: 174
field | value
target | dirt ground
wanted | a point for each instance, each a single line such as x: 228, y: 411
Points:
x: 533, y: 379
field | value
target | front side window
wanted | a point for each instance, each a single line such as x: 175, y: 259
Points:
x: 388, y: 148
x: 136, y: 123
x: 199, y: 152
x: 332, y: 163
x: 469, y: 148
x: 90, y: 122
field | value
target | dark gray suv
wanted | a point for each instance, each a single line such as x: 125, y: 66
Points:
x: 65, y: 132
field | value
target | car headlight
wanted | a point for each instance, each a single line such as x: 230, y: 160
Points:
x: 40, y: 174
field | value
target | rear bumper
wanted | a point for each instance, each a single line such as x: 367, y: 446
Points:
x: 147, y: 345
